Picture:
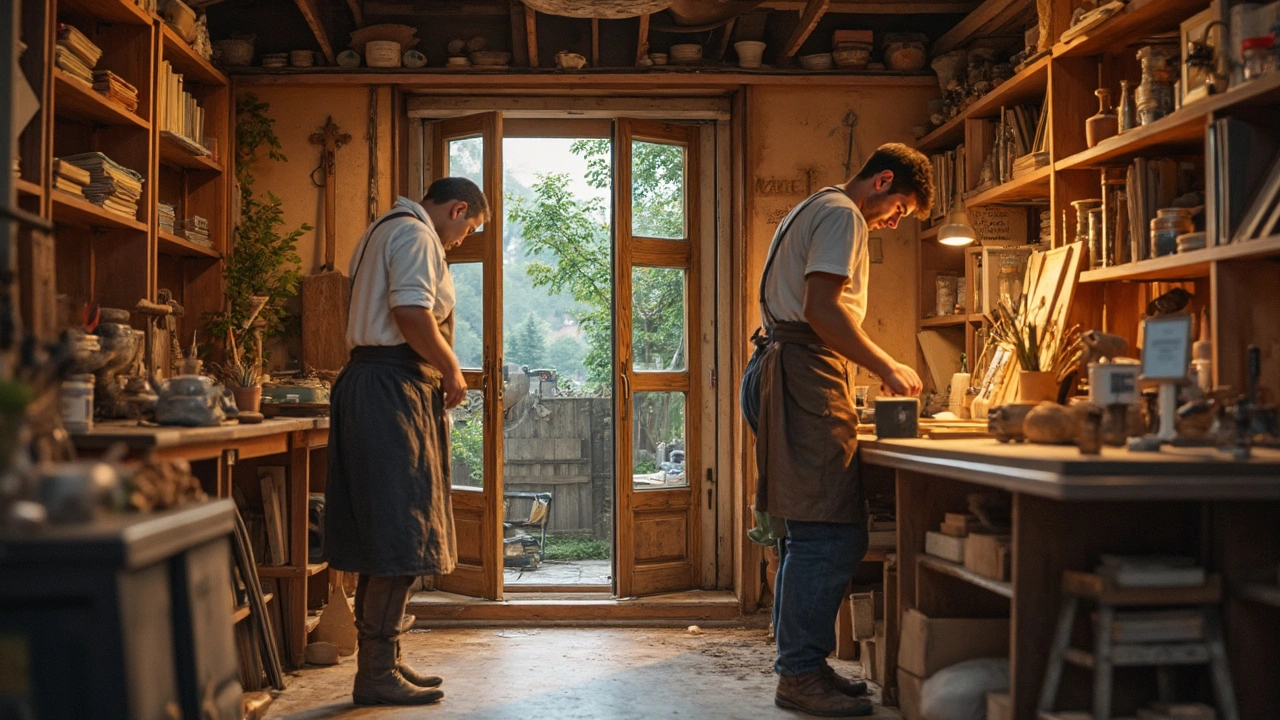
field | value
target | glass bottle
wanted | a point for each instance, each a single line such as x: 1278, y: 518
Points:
x: 1128, y: 109
x: 1009, y: 280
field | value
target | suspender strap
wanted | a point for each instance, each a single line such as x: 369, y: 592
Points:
x: 773, y: 255
x: 369, y: 239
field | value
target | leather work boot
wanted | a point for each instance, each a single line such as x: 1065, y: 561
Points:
x: 852, y: 688
x: 814, y: 694
x: 378, y: 680
x: 417, y: 678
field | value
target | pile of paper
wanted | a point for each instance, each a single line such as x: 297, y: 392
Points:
x: 68, y: 178
x: 75, y: 54
x: 114, y: 88
x: 196, y: 229
x: 111, y: 185
x: 167, y: 215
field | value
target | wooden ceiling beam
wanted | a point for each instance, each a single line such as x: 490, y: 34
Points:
x: 311, y: 12
x: 972, y: 25
x: 356, y: 14
x: 813, y: 12
x: 434, y: 9
x: 642, y: 45
x: 595, y: 42
x: 531, y: 34
x: 879, y: 7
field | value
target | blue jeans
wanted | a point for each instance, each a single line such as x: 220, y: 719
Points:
x: 818, y: 561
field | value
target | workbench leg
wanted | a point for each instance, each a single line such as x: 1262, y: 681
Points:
x: 1102, y: 663
x: 1223, y: 689
x: 1057, y: 654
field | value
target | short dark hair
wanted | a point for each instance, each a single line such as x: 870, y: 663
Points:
x: 912, y: 173
x: 450, y: 189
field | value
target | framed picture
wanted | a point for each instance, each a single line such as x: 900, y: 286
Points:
x: 1166, y: 349
x: 1194, y: 79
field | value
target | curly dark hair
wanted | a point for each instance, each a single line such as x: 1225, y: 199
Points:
x: 449, y: 189
x: 912, y: 173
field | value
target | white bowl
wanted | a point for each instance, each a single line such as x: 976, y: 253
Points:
x: 686, y: 52
x: 750, y: 53
x: 818, y: 61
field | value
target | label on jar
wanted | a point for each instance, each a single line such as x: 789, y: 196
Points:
x: 77, y: 406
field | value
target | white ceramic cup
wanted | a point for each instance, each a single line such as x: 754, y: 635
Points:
x: 750, y: 53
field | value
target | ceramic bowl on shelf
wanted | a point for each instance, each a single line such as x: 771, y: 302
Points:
x: 570, y: 61
x: 489, y: 58
x: 817, y: 61
x: 236, y: 52
x: 348, y: 59
x: 302, y: 58
x: 686, y: 53
x: 458, y: 62
x: 852, y: 56
x: 658, y: 58
x: 414, y: 59
x: 750, y: 53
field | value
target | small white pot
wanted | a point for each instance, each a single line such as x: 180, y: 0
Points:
x: 750, y: 53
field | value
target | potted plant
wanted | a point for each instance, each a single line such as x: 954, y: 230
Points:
x: 244, y: 375
x: 1041, y: 373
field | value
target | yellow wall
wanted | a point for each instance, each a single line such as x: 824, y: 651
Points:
x: 796, y: 142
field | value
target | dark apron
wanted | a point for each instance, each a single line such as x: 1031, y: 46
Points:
x: 388, y: 510
x: 806, y: 449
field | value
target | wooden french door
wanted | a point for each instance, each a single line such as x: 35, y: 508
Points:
x: 657, y: 399
x: 471, y: 146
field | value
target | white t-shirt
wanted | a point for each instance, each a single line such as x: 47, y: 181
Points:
x: 404, y: 265
x: 828, y: 235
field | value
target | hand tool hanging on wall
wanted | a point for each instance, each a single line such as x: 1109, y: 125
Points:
x: 372, y: 137
x: 850, y: 125
x: 325, y: 294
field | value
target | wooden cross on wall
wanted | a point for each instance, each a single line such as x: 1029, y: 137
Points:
x: 331, y: 138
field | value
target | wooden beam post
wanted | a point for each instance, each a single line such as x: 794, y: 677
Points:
x: 519, y: 39
x: 531, y: 34
x: 971, y: 25
x: 356, y: 14
x: 813, y: 12
x: 642, y: 47
x: 595, y: 42
x: 311, y: 12
x: 724, y: 40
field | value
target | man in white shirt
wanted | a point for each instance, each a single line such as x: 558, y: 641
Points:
x: 813, y: 300
x: 388, y: 514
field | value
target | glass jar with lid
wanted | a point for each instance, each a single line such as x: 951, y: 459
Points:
x: 1168, y: 224
x: 948, y: 285
x: 1256, y: 56
x: 1009, y: 279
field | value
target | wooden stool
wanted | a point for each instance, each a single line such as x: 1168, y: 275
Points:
x: 1107, y: 655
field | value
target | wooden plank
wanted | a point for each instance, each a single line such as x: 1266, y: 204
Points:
x: 519, y: 39
x: 595, y: 42
x: 724, y: 39
x: 973, y: 23
x: 960, y: 572
x: 531, y: 34
x: 356, y: 14
x: 873, y: 7
x: 813, y: 12
x: 311, y: 13
x: 642, y: 45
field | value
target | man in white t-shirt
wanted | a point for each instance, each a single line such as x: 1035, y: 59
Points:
x: 388, y: 513
x: 813, y: 301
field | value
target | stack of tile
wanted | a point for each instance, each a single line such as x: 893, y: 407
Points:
x: 168, y: 216
x: 114, y: 88
x: 76, y: 54
x: 196, y: 229
x: 114, y: 187
x: 68, y: 178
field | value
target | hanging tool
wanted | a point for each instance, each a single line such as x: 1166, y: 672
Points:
x: 326, y: 294
x: 850, y: 124
x: 372, y: 137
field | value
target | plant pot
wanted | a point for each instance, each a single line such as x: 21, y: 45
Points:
x: 248, y: 399
x: 750, y: 53
x: 1037, y: 387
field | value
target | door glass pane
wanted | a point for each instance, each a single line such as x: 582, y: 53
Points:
x: 466, y: 159
x: 467, y: 438
x: 468, y: 314
x: 657, y: 319
x: 657, y: 190
x: 658, y: 441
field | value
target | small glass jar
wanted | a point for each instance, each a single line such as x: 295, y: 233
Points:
x: 1009, y: 280
x: 1168, y: 224
x: 1256, y: 56
x: 948, y: 290
x: 1096, y: 257
x: 77, y: 403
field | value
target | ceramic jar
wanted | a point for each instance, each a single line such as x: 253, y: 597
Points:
x: 1167, y: 225
x: 750, y: 53
x: 950, y: 68
x: 1097, y: 257
x: 905, y: 56
x: 1082, y: 208
x: 1103, y: 125
x: 236, y: 52
x: 1154, y: 95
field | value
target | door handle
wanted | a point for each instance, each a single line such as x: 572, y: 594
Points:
x: 626, y: 388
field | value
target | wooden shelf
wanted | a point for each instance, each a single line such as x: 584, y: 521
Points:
x: 1185, y: 266
x: 1034, y: 186
x: 1140, y: 19
x: 1267, y: 594
x: 185, y: 60
x: 944, y: 321
x: 291, y: 571
x: 956, y: 570
x: 1182, y: 131
x: 1027, y: 85
x: 175, y: 154
x: 316, y: 568
x: 73, y: 210
x: 175, y: 245
x: 977, y: 318
x: 242, y: 612
x: 26, y: 187
x: 73, y: 99
x: 115, y: 11
x: 930, y: 233
x: 312, y: 622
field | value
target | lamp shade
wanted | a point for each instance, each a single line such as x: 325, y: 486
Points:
x: 957, y: 231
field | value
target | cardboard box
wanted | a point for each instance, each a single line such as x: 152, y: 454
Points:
x: 944, y: 546
x: 988, y: 555
x: 999, y: 706
x: 954, y: 530
x: 927, y: 644
x: 909, y: 694
x: 867, y: 608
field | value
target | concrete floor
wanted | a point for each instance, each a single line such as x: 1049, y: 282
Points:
x: 561, y: 572
x: 569, y: 674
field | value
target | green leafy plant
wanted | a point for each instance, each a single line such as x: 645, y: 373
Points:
x: 263, y: 261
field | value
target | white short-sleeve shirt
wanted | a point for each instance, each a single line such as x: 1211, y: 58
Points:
x: 401, y: 264
x: 828, y: 235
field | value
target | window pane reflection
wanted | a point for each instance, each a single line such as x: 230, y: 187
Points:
x: 658, y: 441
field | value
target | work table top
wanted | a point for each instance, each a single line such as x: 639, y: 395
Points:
x: 129, y: 432
x: 1060, y: 472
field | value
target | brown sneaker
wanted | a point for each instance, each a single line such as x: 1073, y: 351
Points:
x: 852, y: 688
x: 814, y: 694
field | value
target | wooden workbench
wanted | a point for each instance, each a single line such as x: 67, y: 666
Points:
x: 1067, y: 510
x: 299, y: 444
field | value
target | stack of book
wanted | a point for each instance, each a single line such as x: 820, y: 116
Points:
x: 114, y: 88
x: 112, y: 186
x: 1146, y: 571
x: 168, y: 216
x: 76, y: 54
x: 196, y: 229
x: 181, y: 117
x: 947, y: 173
x: 68, y: 178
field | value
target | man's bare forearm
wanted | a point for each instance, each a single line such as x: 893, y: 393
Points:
x: 421, y: 331
x: 842, y: 333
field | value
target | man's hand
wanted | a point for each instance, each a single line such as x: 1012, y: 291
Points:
x: 454, y: 387
x: 902, y: 380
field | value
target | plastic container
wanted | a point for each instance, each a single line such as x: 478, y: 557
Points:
x: 1168, y: 224
x: 77, y: 403
x: 1257, y: 57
